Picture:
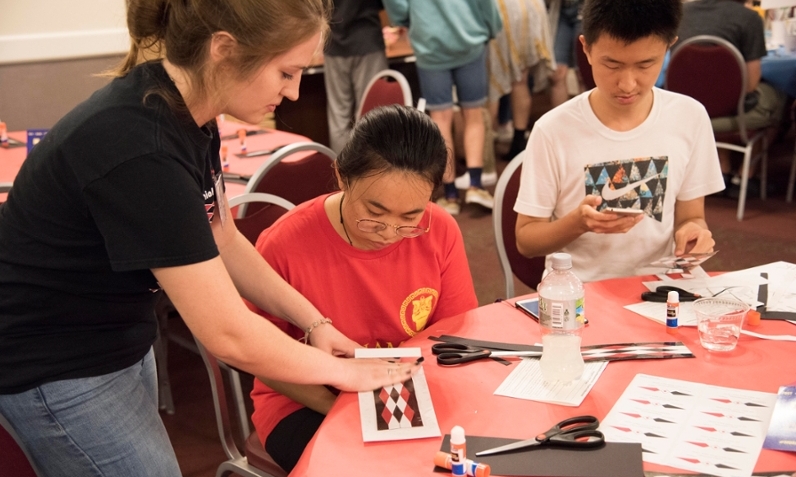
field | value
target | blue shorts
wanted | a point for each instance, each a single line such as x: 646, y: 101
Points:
x: 436, y: 86
x: 566, y: 33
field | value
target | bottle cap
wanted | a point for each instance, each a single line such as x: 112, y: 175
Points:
x: 561, y: 261
x: 673, y: 297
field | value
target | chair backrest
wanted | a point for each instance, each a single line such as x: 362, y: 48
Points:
x: 387, y: 87
x: 5, y: 188
x: 528, y: 270
x: 712, y: 71
x: 237, y: 463
x: 294, y: 180
x: 255, y: 221
x: 584, y: 67
x: 13, y: 458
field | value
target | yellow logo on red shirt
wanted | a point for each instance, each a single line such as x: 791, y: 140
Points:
x: 421, y: 302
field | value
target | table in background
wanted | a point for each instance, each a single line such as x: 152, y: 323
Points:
x: 11, y: 159
x: 780, y: 72
x: 267, y: 140
x: 464, y: 395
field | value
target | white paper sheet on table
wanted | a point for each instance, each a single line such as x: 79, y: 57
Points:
x: 657, y: 312
x: 782, y: 290
x: 376, y: 408
x: 744, y: 284
x: 526, y: 382
x: 694, y: 426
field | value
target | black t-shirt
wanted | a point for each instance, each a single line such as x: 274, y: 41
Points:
x: 725, y: 19
x: 356, y: 28
x: 120, y: 185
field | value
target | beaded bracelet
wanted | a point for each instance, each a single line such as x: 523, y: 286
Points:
x: 315, y: 324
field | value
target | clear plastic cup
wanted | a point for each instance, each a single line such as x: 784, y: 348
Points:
x: 719, y: 321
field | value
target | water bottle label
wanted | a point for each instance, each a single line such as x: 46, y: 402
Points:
x: 561, y: 314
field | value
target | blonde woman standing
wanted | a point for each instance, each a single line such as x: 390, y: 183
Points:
x: 123, y: 198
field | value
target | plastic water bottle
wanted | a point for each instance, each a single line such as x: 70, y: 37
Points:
x: 561, y: 318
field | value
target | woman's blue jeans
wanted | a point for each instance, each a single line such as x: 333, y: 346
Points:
x: 101, y: 426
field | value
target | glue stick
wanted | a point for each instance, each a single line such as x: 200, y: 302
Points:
x: 242, y: 137
x: 224, y: 161
x: 672, y: 311
x: 3, y: 134
x: 458, y: 452
x: 474, y: 469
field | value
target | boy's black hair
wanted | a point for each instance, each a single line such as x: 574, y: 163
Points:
x: 631, y: 20
x: 394, y: 138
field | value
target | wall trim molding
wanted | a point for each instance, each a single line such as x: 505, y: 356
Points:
x: 63, y: 45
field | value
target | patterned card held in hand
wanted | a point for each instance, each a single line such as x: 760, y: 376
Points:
x: 683, y: 263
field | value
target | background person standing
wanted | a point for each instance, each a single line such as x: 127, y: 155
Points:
x: 353, y: 56
x: 449, y: 40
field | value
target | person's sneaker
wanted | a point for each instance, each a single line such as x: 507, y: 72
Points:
x: 451, y: 206
x: 504, y: 132
x: 733, y: 191
x: 487, y: 179
x: 480, y: 197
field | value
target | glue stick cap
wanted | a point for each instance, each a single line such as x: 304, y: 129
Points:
x: 753, y: 318
x: 442, y: 459
x: 482, y: 470
x: 457, y: 435
x: 673, y: 297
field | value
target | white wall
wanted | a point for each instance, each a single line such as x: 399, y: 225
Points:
x: 42, y: 30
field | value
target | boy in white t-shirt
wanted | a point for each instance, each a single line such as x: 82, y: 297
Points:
x: 624, y: 144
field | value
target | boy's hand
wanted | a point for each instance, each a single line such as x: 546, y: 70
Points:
x: 692, y: 237
x: 603, y: 222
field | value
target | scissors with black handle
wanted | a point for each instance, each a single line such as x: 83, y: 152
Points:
x: 661, y: 293
x: 449, y: 354
x: 577, y: 432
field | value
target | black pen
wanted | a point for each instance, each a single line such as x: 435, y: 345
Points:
x: 250, y: 132
x: 264, y: 152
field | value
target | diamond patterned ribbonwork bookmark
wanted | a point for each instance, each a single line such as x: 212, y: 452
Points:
x: 401, y: 411
x: 396, y: 406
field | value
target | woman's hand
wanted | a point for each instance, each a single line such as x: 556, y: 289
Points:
x: 329, y: 339
x: 363, y: 374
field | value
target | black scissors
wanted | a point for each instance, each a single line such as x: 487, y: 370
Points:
x: 662, y: 292
x: 449, y: 354
x: 579, y: 432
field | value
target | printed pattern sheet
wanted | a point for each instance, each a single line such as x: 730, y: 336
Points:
x: 693, y: 426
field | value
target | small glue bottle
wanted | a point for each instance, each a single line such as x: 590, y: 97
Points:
x: 242, y: 138
x: 3, y: 134
x: 224, y: 161
x: 672, y: 312
x: 458, y: 452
